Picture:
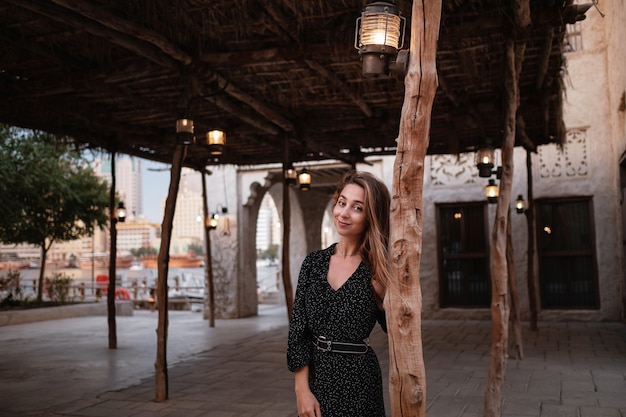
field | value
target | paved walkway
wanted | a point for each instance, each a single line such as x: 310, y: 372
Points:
x: 64, y: 368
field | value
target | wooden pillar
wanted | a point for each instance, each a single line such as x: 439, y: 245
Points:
x: 286, y: 232
x: 160, y: 366
x: 208, y: 260
x: 112, y: 260
x: 403, y: 302
x: 499, y: 273
x: 518, y: 343
x: 530, y: 265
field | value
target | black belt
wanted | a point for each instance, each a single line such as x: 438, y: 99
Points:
x: 326, y: 345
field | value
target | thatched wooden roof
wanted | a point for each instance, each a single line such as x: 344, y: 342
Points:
x: 117, y: 74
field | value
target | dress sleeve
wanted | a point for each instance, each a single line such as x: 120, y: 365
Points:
x: 299, y: 344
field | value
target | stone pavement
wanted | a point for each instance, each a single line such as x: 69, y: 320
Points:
x: 64, y: 368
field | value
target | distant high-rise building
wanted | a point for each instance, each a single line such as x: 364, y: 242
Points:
x: 187, y: 227
x: 128, y: 181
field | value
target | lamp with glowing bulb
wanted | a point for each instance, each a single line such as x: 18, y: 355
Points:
x: 520, y: 205
x: 290, y: 175
x: 485, y: 161
x: 216, y: 140
x: 120, y: 212
x: 304, y: 179
x: 378, y: 38
x: 184, y: 131
x: 491, y: 192
x: 214, y: 220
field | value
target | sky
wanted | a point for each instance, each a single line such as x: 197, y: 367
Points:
x: 155, y: 186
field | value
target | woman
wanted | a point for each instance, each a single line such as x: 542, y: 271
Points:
x: 338, y: 302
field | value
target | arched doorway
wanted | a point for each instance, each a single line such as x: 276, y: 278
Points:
x: 268, y: 249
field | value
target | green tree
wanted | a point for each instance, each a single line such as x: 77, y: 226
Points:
x: 49, y: 193
x: 139, y: 252
x: 195, y: 248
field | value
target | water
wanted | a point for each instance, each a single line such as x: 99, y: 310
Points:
x: 191, y: 278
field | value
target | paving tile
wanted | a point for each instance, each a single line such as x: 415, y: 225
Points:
x: 569, y: 369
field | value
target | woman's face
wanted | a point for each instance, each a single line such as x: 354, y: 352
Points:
x: 349, y: 211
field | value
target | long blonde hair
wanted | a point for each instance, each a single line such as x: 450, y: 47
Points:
x: 375, y: 240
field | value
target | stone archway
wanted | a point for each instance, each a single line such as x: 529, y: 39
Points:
x: 272, y: 184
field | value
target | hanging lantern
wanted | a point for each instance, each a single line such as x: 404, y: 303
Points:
x: 485, y: 159
x: 216, y: 140
x: 290, y: 176
x: 184, y: 131
x: 491, y: 192
x: 214, y: 221
x: 304, y: 179
x: 519, y: 204
x: 379, y: 35
x: 121, y: 212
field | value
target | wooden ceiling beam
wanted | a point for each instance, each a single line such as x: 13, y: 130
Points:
x: 256, y: 104
x: 61, y: 15
x: 126, y: 27
x: 461, y: 103
x: 334, y: 80
x: 174, y: 53
x: 544, y: 58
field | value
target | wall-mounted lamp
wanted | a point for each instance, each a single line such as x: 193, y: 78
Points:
x: 120, y: 213
x: 214, y: 221
x: 379, y: 35
x: 304, y: 179
x: 520, y: 205
x: 216, y: 140
x: 184, y: 131
x: 290, y: 175
x: 485, y: 161
x: 491, y: 192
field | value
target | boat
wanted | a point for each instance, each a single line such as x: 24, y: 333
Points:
x: 101, y: 260
x: 14, y: 264
x: 176, y: 261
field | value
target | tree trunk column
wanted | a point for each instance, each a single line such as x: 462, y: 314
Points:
x: 403, y: 302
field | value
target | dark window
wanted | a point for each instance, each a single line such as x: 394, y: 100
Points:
x: 567, y: 271
x: 463, y: 256
x: 573, y: 38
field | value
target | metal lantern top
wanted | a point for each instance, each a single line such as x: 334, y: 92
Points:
x: 380, y: 29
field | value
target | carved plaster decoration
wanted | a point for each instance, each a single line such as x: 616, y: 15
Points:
x: 569, y: 162
x: 453, y: 169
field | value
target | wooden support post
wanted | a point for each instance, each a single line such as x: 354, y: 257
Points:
x: 518, y: 343
x: 160, y: 366
x: 208, y: 260
x: 530, y: 253
x: 499, y: 273
x: 112, y: 260
x: 403, y: 302
x: 286, y: 272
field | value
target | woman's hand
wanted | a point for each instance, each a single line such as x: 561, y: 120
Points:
x: 308, y: 406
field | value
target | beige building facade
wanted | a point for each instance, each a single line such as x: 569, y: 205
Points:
x: 575, y: 194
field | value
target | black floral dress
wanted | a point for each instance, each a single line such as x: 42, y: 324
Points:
x: 346, y: 385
